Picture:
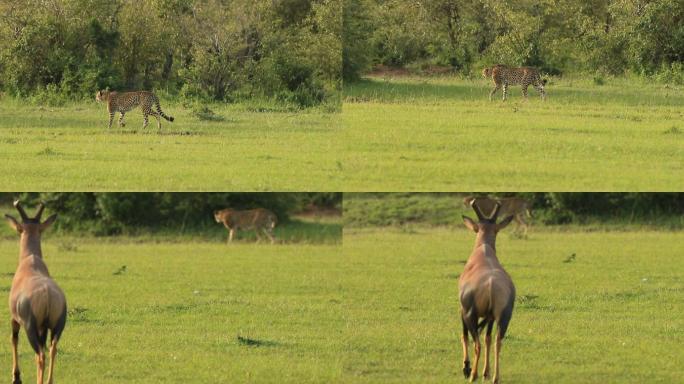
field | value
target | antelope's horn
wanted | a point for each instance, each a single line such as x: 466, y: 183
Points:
x: 495, y: 213
x: 41, y: 207
x: 17, y: 205
x: 477, y: 210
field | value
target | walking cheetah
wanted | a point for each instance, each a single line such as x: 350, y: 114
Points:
x: 126, y: 101
x: 503, y: 76
x: 259, y: 220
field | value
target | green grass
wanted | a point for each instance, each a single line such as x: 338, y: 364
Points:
x: 611, y: 314
x: 70, y: 149
x: 432, y: 134
x: 193, y: 312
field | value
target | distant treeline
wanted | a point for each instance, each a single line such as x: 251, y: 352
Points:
x: 591, y: 36
x: 223, y: 50
x: 552, y: 208
x: 107, y: 213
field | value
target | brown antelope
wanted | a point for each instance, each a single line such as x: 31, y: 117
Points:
x: 515, y: 206
x: 36, y: 301
x: 486, y: 292
x: 259, y: 219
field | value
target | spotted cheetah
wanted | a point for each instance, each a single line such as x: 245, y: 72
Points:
x: 259, y: 220
x: 503, y: 76
x: 126, y: 101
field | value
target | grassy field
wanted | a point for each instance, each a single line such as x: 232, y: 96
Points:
x: 441, y: 133
x: 192, y: 312
x: 611, y: 314
x: 70, y: 149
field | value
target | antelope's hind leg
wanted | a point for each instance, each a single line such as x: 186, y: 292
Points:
x: 488, y: 344
x: 464, y: 344
x: 53, y: 355
x: 470, y: 322
x: 40, y: 364
x: 16, y: 375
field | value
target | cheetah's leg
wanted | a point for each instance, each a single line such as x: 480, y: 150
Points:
x: 269, y: 233
x: 122, y: 123
x: 505, y: 91
x: 155, y: 114
x: 524, y: 90
x: 496, y: 88
x: 145, y: 120
x: 540, y: 89
x: 111, y: 119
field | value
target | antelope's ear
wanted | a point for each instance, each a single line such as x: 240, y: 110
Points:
x: 47, y: 223
x: 14, y: 223
x: 504, y: 223
x: 470, y: 224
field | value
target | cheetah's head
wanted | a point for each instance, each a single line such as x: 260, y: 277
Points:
x: 101, y: 96
x: 486, y: 72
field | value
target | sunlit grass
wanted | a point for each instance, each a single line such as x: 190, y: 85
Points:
x: 431, y: 134
x: 70, y: 149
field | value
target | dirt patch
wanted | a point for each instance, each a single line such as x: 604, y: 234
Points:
x: 312, y: 211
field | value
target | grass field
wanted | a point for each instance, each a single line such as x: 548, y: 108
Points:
x: 611, y: 314
x: 192, y: 312
x: 441, y: 133
x: 70, y: 149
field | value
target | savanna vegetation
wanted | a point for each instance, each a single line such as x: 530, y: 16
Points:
x: 253, y: 87
x: 595, y: 38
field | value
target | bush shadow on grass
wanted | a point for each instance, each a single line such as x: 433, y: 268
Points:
x: 437, y: 90
x: 251, y: 342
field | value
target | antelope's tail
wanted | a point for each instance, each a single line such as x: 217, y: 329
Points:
x: 35, y: 338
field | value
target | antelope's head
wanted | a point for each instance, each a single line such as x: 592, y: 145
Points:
x: 486, y: 227
x: 30, y: 228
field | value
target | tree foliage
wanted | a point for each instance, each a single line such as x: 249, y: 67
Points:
x: 213, y: 49
x: 605, y: 37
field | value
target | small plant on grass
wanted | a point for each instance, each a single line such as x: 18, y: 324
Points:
x: 204, y: 113
x: 673, y: 131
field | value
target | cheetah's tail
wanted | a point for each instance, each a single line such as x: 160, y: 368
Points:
x: 162, y: 114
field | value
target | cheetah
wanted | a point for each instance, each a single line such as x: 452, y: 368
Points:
x: 259, y: 220
x: 126, y: 101
x: 518, y: 207
x: 503, y: 76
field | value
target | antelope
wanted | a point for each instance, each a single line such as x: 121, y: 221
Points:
x: 36, y: 301
x: 486, y: 292
x: 515, y: 206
